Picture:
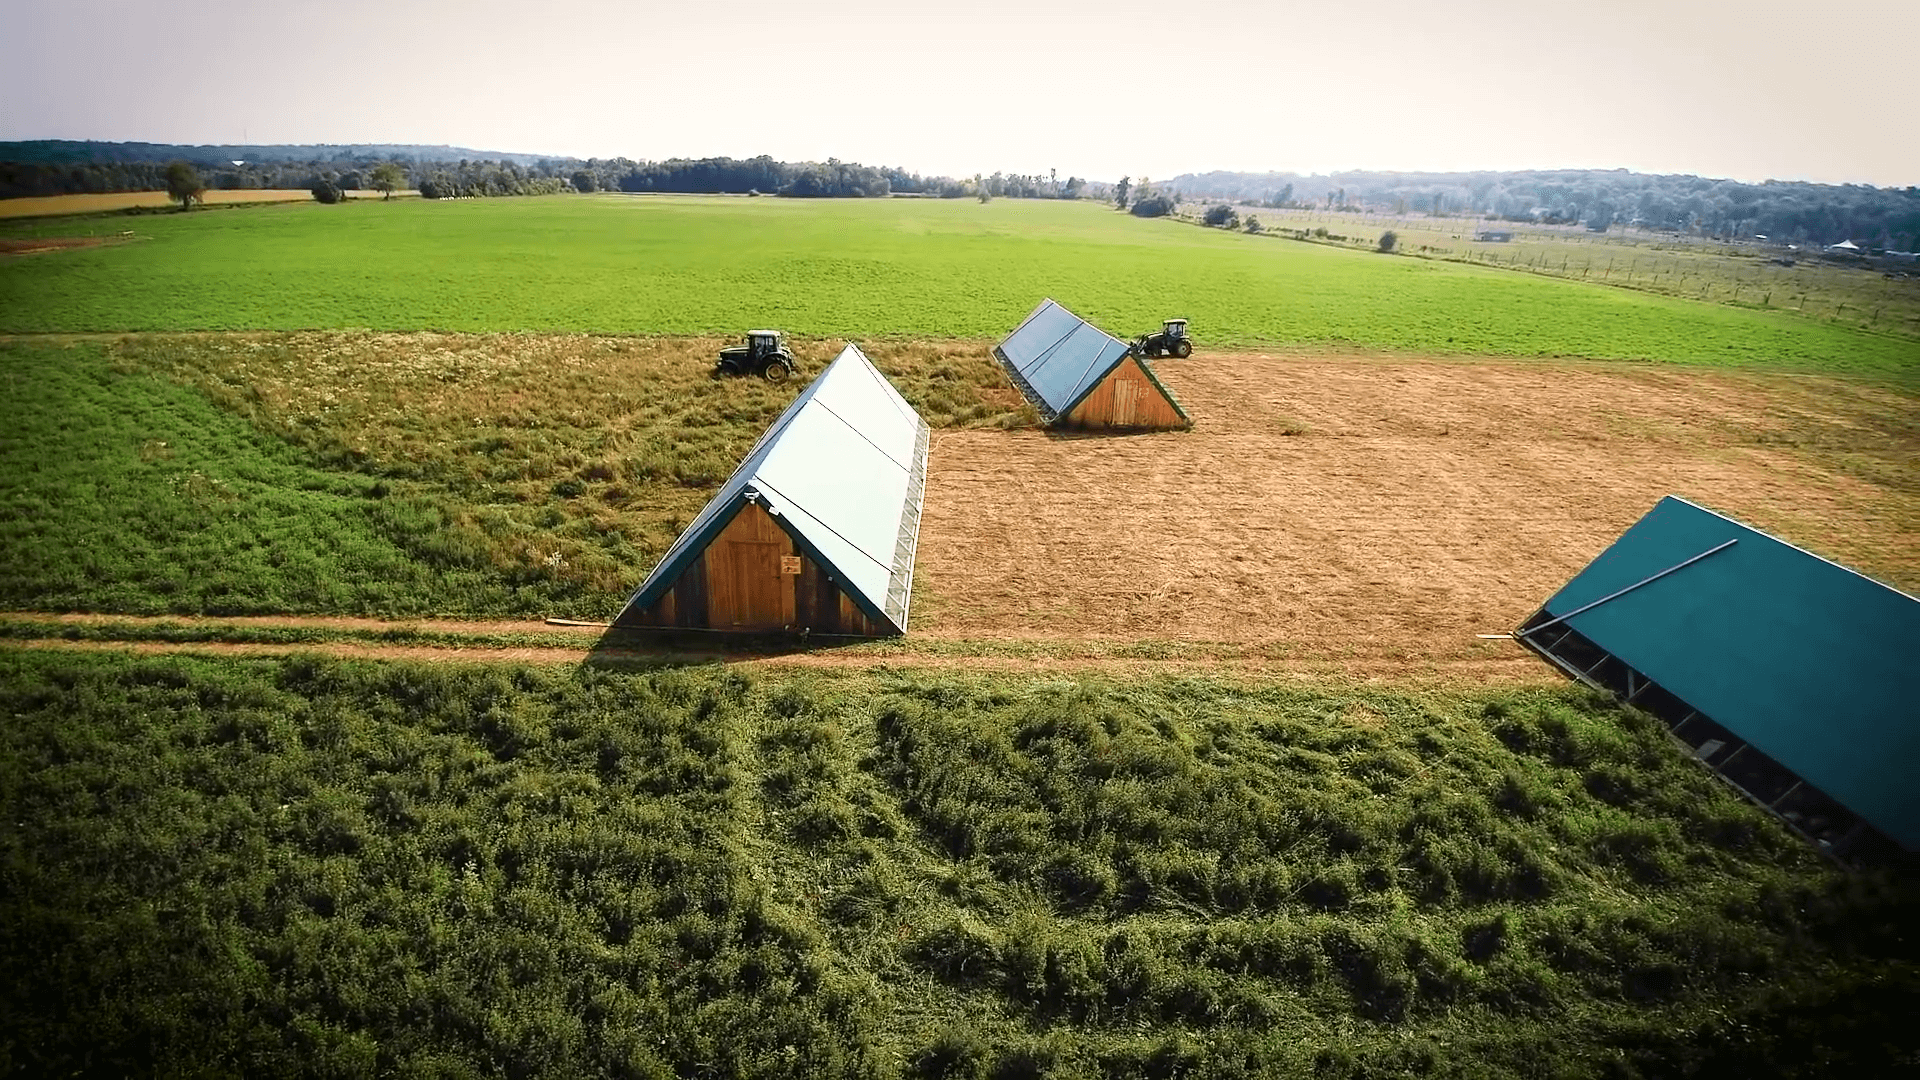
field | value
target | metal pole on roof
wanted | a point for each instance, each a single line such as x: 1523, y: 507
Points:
x: 1628, y: 589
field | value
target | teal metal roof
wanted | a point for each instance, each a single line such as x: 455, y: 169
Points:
x: 1811, y: 663
x: 1056, y: 359
x: 843, y: 470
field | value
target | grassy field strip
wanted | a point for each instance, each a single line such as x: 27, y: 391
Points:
x: 1111, y: 659
x: 895, y: 269
x: 111, y: 202
x: 264, y: 865
x: 1751, y: 276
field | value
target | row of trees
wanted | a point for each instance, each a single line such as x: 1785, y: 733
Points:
x: 485, y: 178
x: 185, y: 186
x: 1803, y: 212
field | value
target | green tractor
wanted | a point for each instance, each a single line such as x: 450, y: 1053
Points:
x: 1172, y: 340
x: 765, y: 354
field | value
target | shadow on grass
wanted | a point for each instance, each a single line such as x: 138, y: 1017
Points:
x: 624, y: 648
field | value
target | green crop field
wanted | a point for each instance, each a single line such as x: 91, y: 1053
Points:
x: 301, y: 866
x: 866, y: 269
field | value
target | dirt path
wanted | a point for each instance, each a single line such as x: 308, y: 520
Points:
x: 1508, y: 670
x: 1489, y: 662
x: 314, y: 622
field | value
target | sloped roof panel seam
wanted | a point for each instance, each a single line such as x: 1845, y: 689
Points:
x: 770, y: 489
x: 1045, y: 355
x: 887, y: 390
x: 897, y: 463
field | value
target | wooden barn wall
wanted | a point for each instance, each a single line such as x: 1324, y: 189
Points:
x: 738, y: 584
x: 1126, y: 398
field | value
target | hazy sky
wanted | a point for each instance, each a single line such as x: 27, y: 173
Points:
x: 1749, y: 89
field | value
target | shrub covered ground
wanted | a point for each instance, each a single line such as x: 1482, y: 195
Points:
x: 907, y: 268
x: 314, y: 867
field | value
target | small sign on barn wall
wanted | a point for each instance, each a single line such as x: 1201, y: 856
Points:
x: 790, y: 564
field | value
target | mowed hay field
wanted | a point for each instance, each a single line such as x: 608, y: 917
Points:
x: 1745, y: 274
x: 1191, y: 765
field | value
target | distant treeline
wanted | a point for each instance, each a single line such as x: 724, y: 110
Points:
x: 89, y: 152
x: 74, y: 168
x: 1782, y: 210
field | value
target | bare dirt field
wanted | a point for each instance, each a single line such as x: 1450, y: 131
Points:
x: 1366, y: 514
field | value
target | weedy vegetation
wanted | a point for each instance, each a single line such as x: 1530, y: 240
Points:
x: 309, y: 866
x: 42, y: 206
x: 401, y: 476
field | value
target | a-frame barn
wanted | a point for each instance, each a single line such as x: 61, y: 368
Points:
x: 1077, y: 376
x: 817, y: 528
x: 1792, y: 677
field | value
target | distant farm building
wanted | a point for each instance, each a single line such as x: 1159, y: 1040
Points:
x: 1077, y: 376
x: 1792, y: 677
x: 817, y: 528
x: 1494, y: 236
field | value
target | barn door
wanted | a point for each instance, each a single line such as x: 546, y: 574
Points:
x: 746, y: 588
x: 752, y: 586
x: 1126, y: 398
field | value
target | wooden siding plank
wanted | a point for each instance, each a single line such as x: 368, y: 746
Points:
x: 745, y: 588
x: 1126, y: 398
x: 736, y: 584
x: 690, y: 594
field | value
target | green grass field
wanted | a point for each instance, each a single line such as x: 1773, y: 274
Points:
x: 865, y: 269
x: 301, y: 866
x: 126, y: 491
x: 1693, y: 268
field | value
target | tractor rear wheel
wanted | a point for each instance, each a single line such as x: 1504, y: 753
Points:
x: 1183, y: 348
x: 777, y: 371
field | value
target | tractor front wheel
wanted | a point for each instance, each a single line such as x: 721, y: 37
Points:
x: 777, y: 371
x: 1183, y: 348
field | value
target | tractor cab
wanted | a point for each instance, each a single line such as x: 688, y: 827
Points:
x: 762, y: 343
x: 765, y: 354
x: 1172, y: 340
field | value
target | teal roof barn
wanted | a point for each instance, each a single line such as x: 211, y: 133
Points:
x: 1795, y: 678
